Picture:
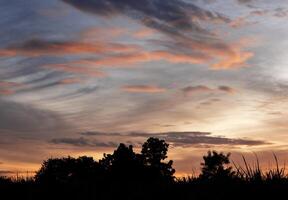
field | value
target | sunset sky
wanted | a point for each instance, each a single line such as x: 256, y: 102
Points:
x: 77, y: 77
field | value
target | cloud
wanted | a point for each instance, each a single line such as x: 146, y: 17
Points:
x: 227, y: 89
x: 241, y: 22
x: 130, y: 59
x: 244, y: 1
x: 82, y: 142
x: 70, y: 81
x: 4, y: 84
x: 184, y: 139
x: 6, y: 92
x: 236, y: 61
x: 76, y: 70
x: 178, y: 20
x: 281, y: 12
x: 37, y: 47
x: 196, y: 89
x: 219, y: 55
x: 143, y: 89
x: 102, y: 33
x: 259, y: 12
x: 8, y: 88
x: 158, y: 14
x: 7, y: 53
x: 205, y: 89
x: 18, y: 118
x: 143, y: 33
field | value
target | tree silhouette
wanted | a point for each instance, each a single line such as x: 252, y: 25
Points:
x: 123, y: 163
x: 215, y: 167
x: 69, y: 170
x: 154, y: 151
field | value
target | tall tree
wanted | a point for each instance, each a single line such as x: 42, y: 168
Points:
x: 154, y: 152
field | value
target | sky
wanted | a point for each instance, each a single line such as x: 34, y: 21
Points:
x: 77, y: 77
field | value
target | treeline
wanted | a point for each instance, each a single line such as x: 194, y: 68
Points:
x: 125, y: 174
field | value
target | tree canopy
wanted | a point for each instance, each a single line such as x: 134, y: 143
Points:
x: 122, y: 164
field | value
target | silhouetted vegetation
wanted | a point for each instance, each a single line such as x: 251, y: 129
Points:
x: 125, y: 174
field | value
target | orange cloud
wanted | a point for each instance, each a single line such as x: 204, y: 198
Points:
x: 178, y: 58
x: 7, y: 53
x: 226, y: 56
x: 238, y: 60
x: 143, y: 89
x: 124, y: 60
x: 70, y: 81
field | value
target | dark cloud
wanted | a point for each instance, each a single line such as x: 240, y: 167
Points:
x: 227, y: 89
x: 82, y: 142
x: 39, y: 47
x: 196, y: 89
x: 244, y: 1
x: 281, y: 12
x: 161, y: 15
x: 185, y: 139
x: 205, y: 89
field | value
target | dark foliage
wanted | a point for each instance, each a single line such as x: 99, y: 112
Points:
x: 216, y: 167
x: 69, y: 170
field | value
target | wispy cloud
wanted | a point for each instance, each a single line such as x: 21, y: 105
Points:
x: 76, y: 70
x: 9, y: 88
x: 175, y: 20
x: 70, y: 81
x: 143, y: 89
x: 38, y: 47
